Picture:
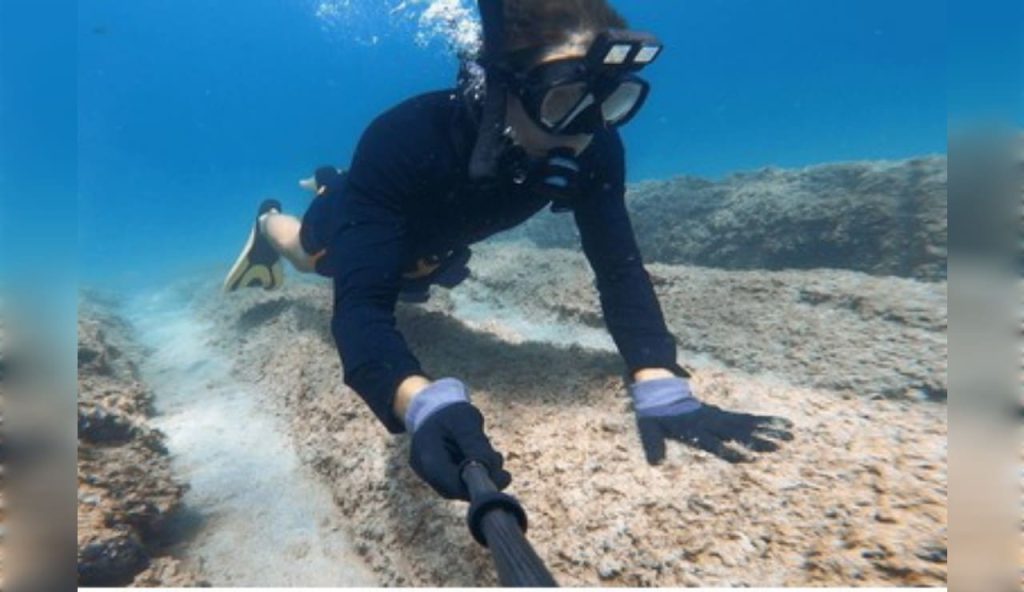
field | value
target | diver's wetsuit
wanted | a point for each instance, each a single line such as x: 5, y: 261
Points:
x: 407, y: 197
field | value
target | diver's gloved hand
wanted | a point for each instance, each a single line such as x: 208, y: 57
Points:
x: 666, y: 409
x: 448, y: 431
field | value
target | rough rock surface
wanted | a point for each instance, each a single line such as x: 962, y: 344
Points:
x: 859, y: 498
x: 839, y: 330
x: 127, y: 497
x: 882, y: 218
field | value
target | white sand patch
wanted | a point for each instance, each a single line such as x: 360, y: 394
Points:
x: 266, y: 520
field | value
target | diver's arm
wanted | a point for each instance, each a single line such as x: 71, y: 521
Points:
x: 446, y: 428
x: 663, y: 400
x: 375, y: 356
x: 386, y: 168
x: 631, y: 309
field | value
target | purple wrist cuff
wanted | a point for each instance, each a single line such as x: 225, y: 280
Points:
x: 434, y: 397
x: 662, y: 397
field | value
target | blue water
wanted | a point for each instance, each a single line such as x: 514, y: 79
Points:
x: 191, y: 111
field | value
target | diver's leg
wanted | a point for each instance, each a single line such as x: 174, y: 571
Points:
x: 259, y: 264
x: 282, y: 232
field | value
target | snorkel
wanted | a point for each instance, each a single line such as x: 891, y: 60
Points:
x: 490, y: 141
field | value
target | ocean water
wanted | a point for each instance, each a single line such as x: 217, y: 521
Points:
x: 190, y: 112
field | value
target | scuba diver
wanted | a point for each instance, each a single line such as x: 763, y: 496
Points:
x: 446, y: 169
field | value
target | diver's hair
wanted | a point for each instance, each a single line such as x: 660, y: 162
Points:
x: 538, y: 23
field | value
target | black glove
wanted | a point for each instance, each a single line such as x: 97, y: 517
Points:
x: 666, y: 409
x: 445, y: 441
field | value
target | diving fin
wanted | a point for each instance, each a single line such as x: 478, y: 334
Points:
x: 259, y: 265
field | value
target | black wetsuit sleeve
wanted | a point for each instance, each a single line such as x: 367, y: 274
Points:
x: 631, y: 309
x: 372, y: 243
x: 373, y: 353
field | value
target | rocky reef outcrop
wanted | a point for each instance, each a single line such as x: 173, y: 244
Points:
x: 881, y: 218
x: 128, y: 499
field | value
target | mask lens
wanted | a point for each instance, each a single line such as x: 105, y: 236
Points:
x: 617, y: 54
x: 621, y: 103
x: 560, y: 101
x: 647, y: 54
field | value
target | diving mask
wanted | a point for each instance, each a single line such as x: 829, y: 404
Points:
x: 582, y: 95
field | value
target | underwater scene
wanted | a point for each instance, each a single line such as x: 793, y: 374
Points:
x: 512, y: 292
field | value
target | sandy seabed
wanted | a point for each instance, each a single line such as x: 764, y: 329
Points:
x: 857, y: 362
